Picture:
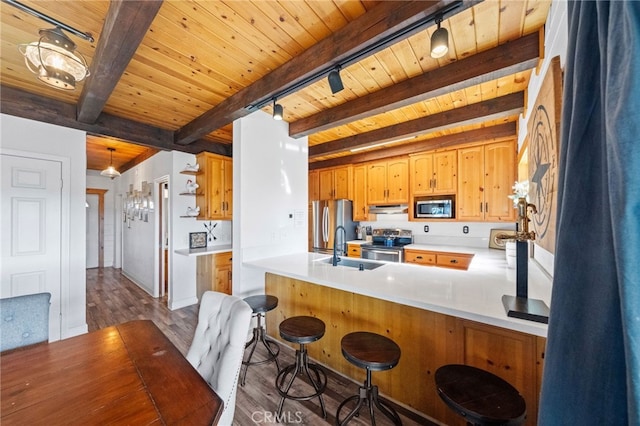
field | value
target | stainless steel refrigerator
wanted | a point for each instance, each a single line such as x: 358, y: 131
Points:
x: 326, y: 216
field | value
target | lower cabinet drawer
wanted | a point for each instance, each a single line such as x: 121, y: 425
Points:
x: 458, y: 261
x: 434, y: 258
x: 420, y: 257
x: 353, y: 250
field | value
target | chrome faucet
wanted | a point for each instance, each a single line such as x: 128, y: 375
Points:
x: 335, y: 258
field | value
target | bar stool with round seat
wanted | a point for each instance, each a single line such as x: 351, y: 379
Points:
x: 482, y: 398
x: 260, y: 305
x: 372, y: 352
x: 302, y: 330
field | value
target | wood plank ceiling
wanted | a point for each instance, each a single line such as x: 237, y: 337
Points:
x: 175, y: 74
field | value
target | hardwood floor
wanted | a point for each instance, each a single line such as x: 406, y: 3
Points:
x: 113, y: 299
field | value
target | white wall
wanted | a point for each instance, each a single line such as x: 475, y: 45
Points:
x: 138, y: 238
x: 270, y: 190
x: 70, y: 145
x: 556, y: 39
x: 94, y: 180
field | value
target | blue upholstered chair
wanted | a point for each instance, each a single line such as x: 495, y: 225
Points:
x: 218, y: 345
x: 24, y: 320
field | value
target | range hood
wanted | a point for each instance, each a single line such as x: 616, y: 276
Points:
x: 389, y: 209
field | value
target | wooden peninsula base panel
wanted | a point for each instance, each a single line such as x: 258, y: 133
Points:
x: 427, y: 339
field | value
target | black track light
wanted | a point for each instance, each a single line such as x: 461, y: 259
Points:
x: 335, y: 82
x: 277, y: 110
x: 439, y: 41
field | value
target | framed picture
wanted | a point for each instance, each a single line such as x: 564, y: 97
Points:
x: 197, y: 240
x: 499, y: 243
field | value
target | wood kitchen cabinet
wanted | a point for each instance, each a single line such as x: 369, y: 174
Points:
x: 214, y: 272
x: 485, y: 178
x: 223, y: 273
x: 335, y: 183
x: 515, y: 357
x: 314, y: 185
x: 216, y: 184
x: 388, y: 182
x: 437, y: 258
x: 360, y: 206
x: 354, y: 250
x: 434, y: 173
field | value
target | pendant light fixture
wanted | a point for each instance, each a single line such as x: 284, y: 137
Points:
x: 53, y: 60
x: 439, y: 40
x: 110, y: 171
x: 277, y: 110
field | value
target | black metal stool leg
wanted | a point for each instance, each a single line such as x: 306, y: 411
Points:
x: 354, y: 412
x: 318, y: 383
x: 259, y: 336
x: 385, y: 408
x: 301, y: 365
x: 368, y: 393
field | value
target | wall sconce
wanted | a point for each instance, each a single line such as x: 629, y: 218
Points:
x: 335, y: 82
x: 53, y: 60
x: 110, y: 171
x: 439, y: 40
x: 277, y: 110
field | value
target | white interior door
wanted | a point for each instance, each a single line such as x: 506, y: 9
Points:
x: 30, y: 221
x: 93, y: 231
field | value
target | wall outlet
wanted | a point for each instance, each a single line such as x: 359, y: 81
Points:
x: 426, y: 228
x: 465, y: 229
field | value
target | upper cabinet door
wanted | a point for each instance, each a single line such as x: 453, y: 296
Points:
x: 470, y: 199
x: 421, y: 169
x: 335, y: 183
x: 325, y: 177
x: 434, y: 173
x: 398, y: 181
x: 217, y: 187
x: 342, y: 183
x: 445, y: 172
x: 485, y: 176
x: 499, y: 176
x: 360, y: 193
x: 377, y: 183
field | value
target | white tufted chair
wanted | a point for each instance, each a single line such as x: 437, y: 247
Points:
x: 218, y: 346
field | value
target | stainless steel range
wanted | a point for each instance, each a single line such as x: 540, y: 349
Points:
x: 387, y: 244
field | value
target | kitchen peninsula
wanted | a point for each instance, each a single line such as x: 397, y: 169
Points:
x: 438, y: 316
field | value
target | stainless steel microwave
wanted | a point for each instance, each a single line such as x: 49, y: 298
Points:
x: 435, y: 208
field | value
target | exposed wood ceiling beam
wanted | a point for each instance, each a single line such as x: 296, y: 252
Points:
x: 28, y: 105
x: 486, y: 134
x: 492, y: 109
x: 124, y: 28
x: 366, y: 31
x: 510, y: 58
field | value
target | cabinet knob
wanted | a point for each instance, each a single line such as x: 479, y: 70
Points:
x: 453, y: 261
x: 418, y: 257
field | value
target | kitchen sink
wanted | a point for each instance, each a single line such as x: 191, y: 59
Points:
x: 354, y: 263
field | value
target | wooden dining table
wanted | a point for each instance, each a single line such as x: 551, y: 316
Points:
x: 125, y: 374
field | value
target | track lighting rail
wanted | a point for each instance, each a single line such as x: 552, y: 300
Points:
x: 52, y: 21
x: 356, y: 56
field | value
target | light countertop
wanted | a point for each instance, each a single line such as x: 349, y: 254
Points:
x: 475, y: 294
x: 204, y: 250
